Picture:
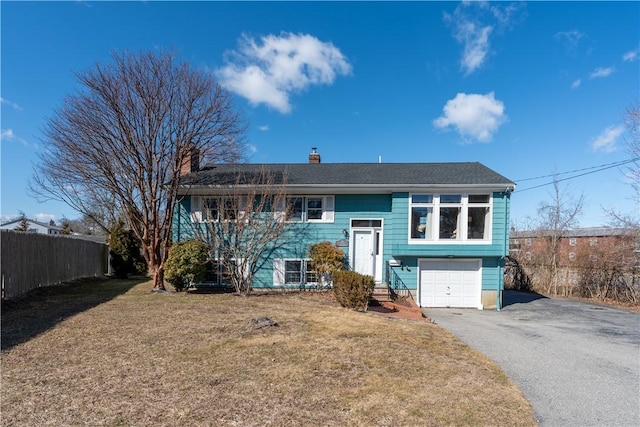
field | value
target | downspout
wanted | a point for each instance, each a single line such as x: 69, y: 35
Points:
x: 504, y: 249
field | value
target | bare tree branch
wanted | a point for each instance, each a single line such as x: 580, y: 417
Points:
x: 119, y: 144
x: 244, y: 223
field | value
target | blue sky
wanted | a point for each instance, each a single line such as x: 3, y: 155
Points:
x: 528, y: 89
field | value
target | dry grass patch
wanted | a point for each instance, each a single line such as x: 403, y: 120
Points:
x: 179, y: 359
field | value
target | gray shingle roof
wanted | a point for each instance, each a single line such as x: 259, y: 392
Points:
x: 373, y: 174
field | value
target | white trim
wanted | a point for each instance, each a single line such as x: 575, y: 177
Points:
x: 320, y: 189
x: 328, y: 208
x: 280, y: 272
x: 377, y: 258
x: 464, y: 205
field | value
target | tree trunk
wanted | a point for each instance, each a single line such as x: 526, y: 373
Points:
x: 158, y: 278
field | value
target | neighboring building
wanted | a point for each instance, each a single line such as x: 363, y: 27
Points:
x: 32, y: 226
x: 437, y: 230
x: 578, y: 245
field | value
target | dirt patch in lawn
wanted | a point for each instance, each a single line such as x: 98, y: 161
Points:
x: 143, y: 358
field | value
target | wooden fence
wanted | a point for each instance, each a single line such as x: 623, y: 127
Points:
x: 30, y: 260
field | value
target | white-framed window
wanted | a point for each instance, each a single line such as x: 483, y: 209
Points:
x: 527, y: 241
x: 293, y: 272
x: 572, y: 241
x: 214, y: 209
x: 450, y: 217
x: 310, y: 208
x: 527, y: 256
x: 572, y: 256
x: 217, y: 273
x: 593, y: 241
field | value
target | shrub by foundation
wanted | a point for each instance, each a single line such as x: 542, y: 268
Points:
x: 353, y: 290
x: 186, y: 264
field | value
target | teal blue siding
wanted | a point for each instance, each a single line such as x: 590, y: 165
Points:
x: 492, y: 254
x: 182, y: 226
x: 399, y: 244
x: 393, y: 209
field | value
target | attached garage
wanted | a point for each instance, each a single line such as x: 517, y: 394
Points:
x: 450, y: 283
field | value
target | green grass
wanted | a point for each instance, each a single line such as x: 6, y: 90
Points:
x: 132, y: 357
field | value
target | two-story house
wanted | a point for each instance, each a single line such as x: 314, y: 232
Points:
x: 438, y: 231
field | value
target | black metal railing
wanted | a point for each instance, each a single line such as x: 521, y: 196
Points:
x: 395, y: 283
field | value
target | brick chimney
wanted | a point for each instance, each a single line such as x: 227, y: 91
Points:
x: 190, y: 162
x: 314, y: 157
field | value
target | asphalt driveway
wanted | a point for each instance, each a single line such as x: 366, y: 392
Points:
x: 578, y: 364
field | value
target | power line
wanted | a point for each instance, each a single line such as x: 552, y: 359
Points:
x: 620, y: 163
x: 601, y: 168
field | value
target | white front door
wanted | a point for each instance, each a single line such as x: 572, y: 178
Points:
x: 363, y: 255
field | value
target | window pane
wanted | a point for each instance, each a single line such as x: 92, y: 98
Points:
x: 211, y: 209
x: 422, y: 198
x: 314, y: 208
x: 366, y: 223
x: 294, y: 209
x: 292, y: 272
x: 421, y: 223
x: 477, y: 223
x: 450, y: 198
x: 449, y: 222
x: 310, y: 274
x: 478, y: 198
x: 314, y: 203
x: 229, y: 209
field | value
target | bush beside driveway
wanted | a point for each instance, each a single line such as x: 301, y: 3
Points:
x: 577, y: 363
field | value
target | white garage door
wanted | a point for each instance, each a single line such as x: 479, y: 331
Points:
x: 450, y: 283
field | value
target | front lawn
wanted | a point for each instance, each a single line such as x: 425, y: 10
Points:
x: 142, y: 358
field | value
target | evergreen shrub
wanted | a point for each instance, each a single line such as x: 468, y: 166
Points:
x: 353, y: 290
x: 124, y: 248
x: 186, y: 264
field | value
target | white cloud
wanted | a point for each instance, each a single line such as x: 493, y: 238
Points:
x: 473, y: 115
x: 269, y: 70
x: 12, y: 104
x: 45, y: 217
x: 476, y: 48
x: 263, y: 128
x: 601, y: 72
x: 473, y: 23
x: 9, y: 135
x: 252, y: 148
x: 570, y: 39
x: 576, y: 83
x: 631, y: 56
x: 607, y: 139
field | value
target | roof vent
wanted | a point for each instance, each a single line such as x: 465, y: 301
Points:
x: 314, y: 157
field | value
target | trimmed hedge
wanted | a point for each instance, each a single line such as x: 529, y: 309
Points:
x: 353, y: 290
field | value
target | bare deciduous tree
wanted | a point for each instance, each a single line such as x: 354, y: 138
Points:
x: 245, y: 223
x: 632, y: 147
x: 121, y: 142
x: 631, y: 220
x: 555, y: 217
